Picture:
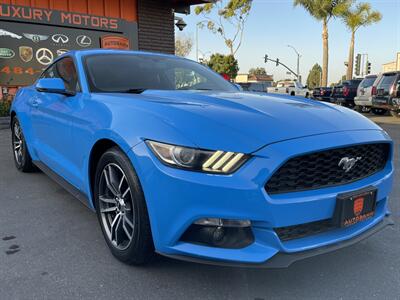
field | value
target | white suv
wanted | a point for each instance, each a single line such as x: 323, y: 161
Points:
x: 363, y: 100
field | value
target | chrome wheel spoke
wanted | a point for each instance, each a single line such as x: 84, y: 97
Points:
x: 107, y: 200
x: 110, y: 186
x: 126, y: 192
x: 121, y: 182
x: 116, y: 206
x: 109, y: 209
x: 114, y: 228
x: 129, y: 235
x: 127, y: 221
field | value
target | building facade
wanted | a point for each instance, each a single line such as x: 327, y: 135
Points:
x: 35, y: 32
x: 392, y: 66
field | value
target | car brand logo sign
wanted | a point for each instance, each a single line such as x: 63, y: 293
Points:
x: 36, y: 38
x: 44, y: 56
x: 26, y: 53
x: 114, y: 42
x: 358, y: 206
x: 348, y: 163
x: 6, y: 53
x: 61, y: 51
x: 10, y: 34
x: 83, y: 41
x: 60, y: 38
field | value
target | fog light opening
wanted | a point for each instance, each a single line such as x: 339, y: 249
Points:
x: 221, y: 233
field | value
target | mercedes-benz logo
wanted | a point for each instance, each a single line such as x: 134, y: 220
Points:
x: 83, y: 41
x: 44, y: 56
x: 60, y: 38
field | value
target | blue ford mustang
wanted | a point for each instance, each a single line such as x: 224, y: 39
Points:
x: 176, y: 160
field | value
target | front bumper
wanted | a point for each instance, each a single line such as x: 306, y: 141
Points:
x: 177, y: 198
x: 284, y: 260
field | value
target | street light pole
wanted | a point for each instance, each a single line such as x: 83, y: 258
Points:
x: 298, y: 62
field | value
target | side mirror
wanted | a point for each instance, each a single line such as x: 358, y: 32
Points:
x: 52, y: 85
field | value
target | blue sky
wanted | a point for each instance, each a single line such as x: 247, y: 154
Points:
x: 274, y: 24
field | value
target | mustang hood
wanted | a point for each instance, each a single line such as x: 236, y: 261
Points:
x: 244, y: 122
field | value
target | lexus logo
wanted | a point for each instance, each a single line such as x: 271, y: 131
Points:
x: 44, y: 56
x: 348, y: 163
x: 60, y: 38
x: 83, y: 41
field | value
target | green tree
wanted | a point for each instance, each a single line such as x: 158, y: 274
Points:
x: 324, y: 11
x: 314, y: 77
x: 183, y: 45
x: 224, y: 64
x: 257, y: 71
x: 232, y: 13
x: 354, y: 18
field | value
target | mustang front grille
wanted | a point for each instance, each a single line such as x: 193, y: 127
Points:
x: 328, y: 168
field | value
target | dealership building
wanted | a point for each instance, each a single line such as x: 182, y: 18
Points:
x: 35, y: 32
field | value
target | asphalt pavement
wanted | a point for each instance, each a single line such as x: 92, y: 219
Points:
x: 51, y: 247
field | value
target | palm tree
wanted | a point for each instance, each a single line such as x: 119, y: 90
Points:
x: 324, y: 10
x: 354, y: 18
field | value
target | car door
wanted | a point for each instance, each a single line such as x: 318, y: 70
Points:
x: 51, y: 119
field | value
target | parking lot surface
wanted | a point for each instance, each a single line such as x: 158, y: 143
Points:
x: 51, y: 247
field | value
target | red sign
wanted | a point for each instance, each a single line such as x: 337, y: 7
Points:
x: 358, y: 206
x: 115, y: 42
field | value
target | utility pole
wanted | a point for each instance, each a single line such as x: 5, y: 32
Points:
x: 298, y: 62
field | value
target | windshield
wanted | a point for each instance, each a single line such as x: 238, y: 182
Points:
x: 138, y: 72
x: 387, y: 81
x: 368, y: 81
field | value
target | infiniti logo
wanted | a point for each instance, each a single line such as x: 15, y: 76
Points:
x: 60, y: 38
x: 348, y: 163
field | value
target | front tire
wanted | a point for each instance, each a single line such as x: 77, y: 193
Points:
x: 121, y: 209
x: 22, y: 158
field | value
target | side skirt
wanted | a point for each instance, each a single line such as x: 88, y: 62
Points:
x: 65, y: 184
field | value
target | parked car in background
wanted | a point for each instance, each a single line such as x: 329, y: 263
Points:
x: 322, y: 93
x: 363, y: 100
x: 344, y: 93
x: 387, y: 95
x: 260, y: 87
x: 292, y: 88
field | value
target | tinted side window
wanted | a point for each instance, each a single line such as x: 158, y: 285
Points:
x: 65, y: 68
x: 367, y: 82
x: 387, y: 81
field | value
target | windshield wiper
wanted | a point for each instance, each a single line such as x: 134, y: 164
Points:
x: 132, y: 91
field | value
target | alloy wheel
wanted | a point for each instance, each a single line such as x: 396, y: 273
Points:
x: 116, y: 206
x: 18, y: 143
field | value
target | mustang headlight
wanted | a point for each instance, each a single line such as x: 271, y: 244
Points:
x: 196, y: 159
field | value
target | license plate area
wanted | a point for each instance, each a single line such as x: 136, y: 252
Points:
x: 355, y: 207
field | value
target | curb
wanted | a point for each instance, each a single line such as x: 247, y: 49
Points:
x: 4, y: 122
